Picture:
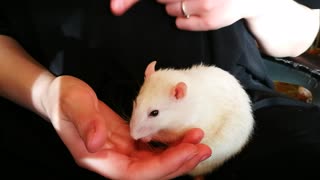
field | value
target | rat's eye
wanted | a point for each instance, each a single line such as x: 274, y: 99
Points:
x: 154, y: 113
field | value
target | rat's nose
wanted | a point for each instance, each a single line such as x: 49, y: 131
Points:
x: 140, y: 132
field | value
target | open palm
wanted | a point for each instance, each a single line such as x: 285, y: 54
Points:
x: 99, y: 139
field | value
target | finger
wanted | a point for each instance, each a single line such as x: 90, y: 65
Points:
x: 96, y: 137
x: 194, y: 136
x: 191, y: 7
x: 118, y: 136
x: 119, y: 7
x: 80, y: 107
x: 168, y: 1
x: 174, y: 9
x: 204, y: 23
x: 164, y: 164
x: 204, y: 153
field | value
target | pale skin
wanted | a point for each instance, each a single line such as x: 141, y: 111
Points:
x: 96, y: 136
x: 281, y: 27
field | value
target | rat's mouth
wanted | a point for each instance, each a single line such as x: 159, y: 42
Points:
x: 146, y: 139
x: 162, y: 139
x: 158, y: 144
x: 154, y: 143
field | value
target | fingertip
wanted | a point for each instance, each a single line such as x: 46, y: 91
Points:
x: 198, y: 153
x: 180, y: 23
x: 193, y: 135
x: 117, y: 7
x: 204, y: 152
x: 189, y: 157
x: 96, y: 137
x: 91, y: 141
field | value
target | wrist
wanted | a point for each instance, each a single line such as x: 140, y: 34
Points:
x: 282, y: 27
x: 253, y: 9
x: 41, y: 95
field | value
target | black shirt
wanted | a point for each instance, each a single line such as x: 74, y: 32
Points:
x: 82, y: 38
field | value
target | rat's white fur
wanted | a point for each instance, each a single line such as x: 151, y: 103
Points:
x: 214, y: 101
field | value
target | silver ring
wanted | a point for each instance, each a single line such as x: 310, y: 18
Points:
x: 183, y: 10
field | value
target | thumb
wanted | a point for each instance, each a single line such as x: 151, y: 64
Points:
x: 119, y: 7
x: 80, y: 106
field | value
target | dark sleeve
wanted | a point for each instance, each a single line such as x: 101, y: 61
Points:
x: 314, y: 4
x: 4, y: 26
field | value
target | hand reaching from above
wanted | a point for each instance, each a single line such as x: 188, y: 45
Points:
x: 201, y: 15
x: 99, y: 139
x: 204, y: 14
x: 296, y: 28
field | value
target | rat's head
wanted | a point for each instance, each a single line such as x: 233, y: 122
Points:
x: 157, y: 106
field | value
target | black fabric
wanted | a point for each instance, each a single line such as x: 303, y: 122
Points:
x: 31, y: 148
x: 110, y: 53
x: 82, y: 38
x: 310, y: 3
x: 285, y: 145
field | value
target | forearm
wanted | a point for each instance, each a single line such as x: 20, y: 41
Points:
x: 22, y: 79
x: 283, y: 27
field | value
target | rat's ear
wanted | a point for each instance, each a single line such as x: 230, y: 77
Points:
x: 150, y: 69
x: 179, y: 90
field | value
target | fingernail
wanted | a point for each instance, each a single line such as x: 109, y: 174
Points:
x: 204, y: 157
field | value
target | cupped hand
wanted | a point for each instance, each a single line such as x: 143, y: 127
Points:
x: 99, y: 139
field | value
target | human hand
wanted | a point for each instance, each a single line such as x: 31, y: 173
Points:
x: 199, y: 15
x: 119, y: 7
x: 99, y: 139
x: 204, y: 14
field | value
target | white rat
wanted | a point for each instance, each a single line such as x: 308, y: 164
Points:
x: 172, y: 101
